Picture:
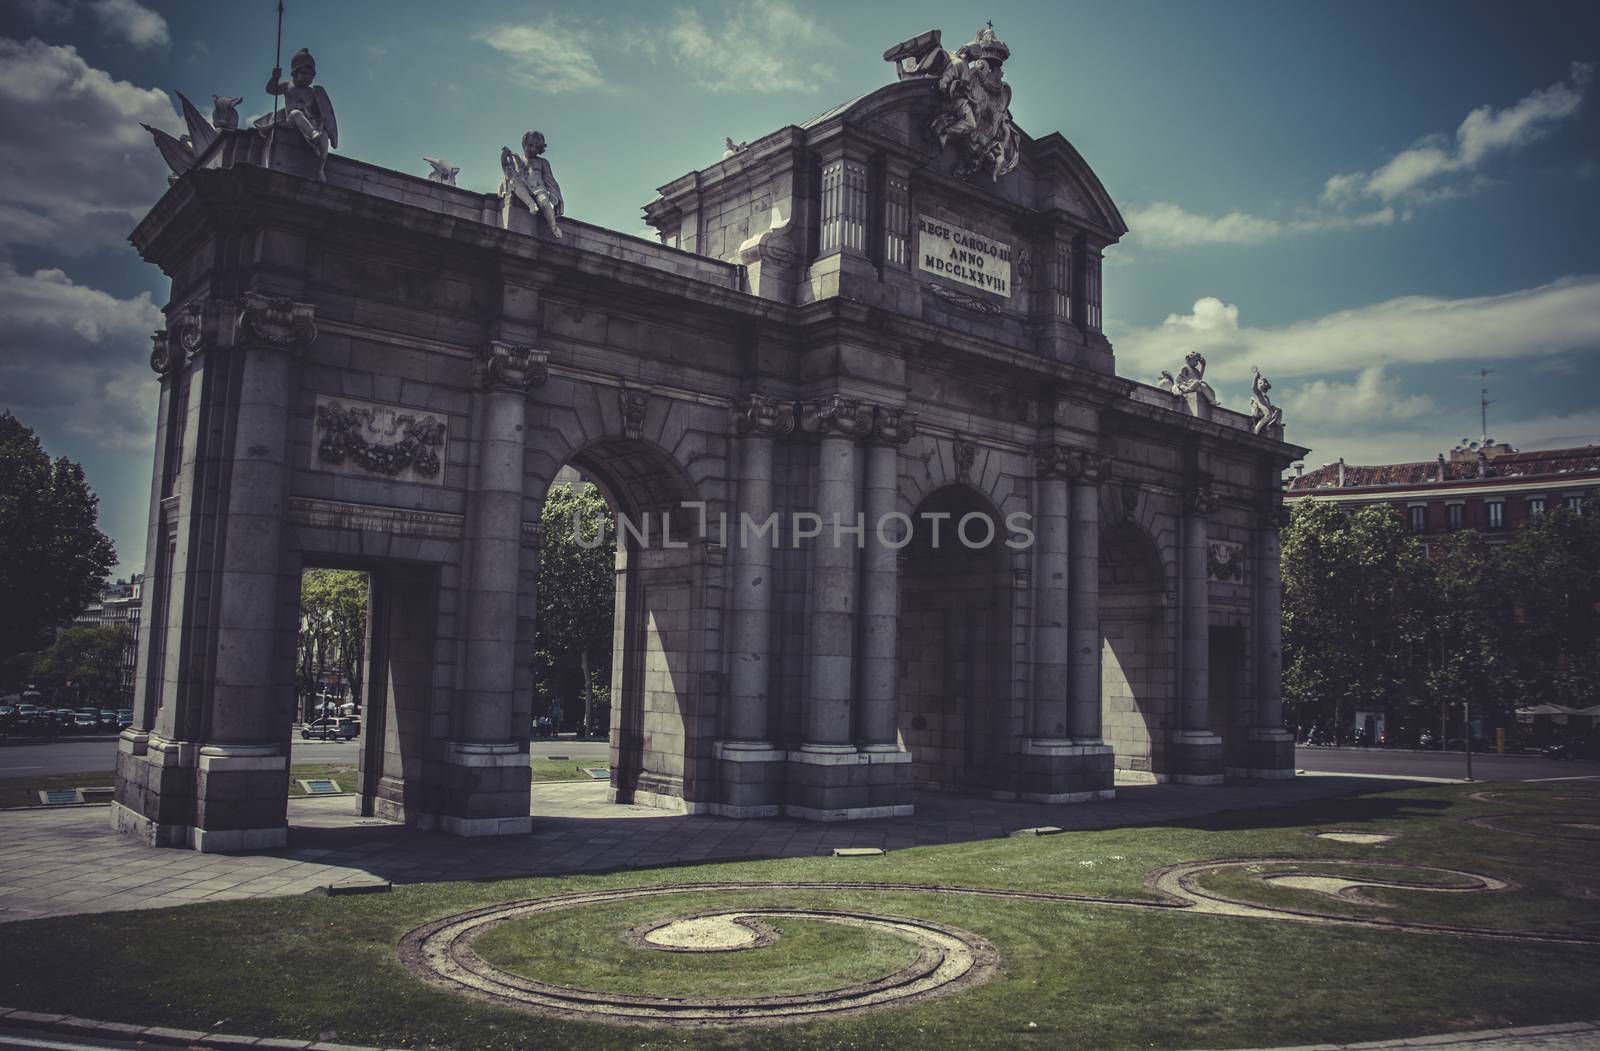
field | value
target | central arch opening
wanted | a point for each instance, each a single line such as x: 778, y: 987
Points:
x: 1136, y: 678
x: 954, y: 643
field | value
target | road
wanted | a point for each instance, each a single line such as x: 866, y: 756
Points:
x: 24, y: 757
x: 1400, y: 763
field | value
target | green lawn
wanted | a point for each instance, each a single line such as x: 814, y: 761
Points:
x: 1084, y: 975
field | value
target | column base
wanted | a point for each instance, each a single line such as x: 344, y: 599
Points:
x: 1196, y: 758
x: 854, y: 785
x: 1271, y: 754
x: 484, y: 790
x: 154, y: 795
x: 241, y: 798
x: 1062, y: 771
x: 750, y: 779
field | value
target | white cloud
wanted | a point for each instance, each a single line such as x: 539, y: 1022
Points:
x: 760, y: 46
x: 1167, y: 225
x: 1418, y: 171
x: 1527, y: 324
x: 1372, y: 397
x: 78, y: 171
x: 79, y: 356
x: 131, y: 21
x: 549, y: 57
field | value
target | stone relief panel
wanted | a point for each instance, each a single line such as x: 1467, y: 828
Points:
x: 367, y: 439
x: 1225, y: 562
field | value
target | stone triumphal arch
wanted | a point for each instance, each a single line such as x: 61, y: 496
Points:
x: 892, y: 311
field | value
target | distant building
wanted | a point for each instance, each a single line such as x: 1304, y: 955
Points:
x: 118, y: 603
x: 1486, y: 486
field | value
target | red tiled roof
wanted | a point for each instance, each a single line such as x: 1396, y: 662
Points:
x: 1508, y: 465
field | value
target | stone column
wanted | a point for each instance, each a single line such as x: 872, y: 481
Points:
x: 1271, y: 746
x: 487, y: 777
x: 1064, y: 759
x: 842, y: 223
x: 889, y: 765
x: 1196, y: 751
x: 749, y: 766
x: 1083, y: 600
x: 820, y: 783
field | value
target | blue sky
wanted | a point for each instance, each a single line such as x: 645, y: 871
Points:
x: 1370, y: 201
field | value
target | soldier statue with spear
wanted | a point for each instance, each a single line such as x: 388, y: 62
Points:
x: 305, y: 106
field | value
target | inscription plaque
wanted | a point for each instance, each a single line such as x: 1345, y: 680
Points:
x: 963, y: 256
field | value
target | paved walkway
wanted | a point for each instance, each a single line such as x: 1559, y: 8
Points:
x: 57, y: 862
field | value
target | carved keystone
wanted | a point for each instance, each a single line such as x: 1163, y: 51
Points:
x: 635, y: 403
x: 892, y: 426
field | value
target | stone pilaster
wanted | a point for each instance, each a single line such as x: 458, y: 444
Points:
x: 485, y: 789
x: 1271, y: 747
x: 1196, y: 751
x: 1064, y: 759
x: 842, y: 254
x: 749, y: 767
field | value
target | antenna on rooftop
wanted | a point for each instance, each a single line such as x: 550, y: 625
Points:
x: 1483, y: 408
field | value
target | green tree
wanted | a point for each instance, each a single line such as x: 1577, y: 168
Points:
x: 333, y: 627
x: 89, y: 658
x: 1553, y: 586
x: 1355, y: 613
x: 572, y: 645
x: 53, y: 559
x: 1473, y: 649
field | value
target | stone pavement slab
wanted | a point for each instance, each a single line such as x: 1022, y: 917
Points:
x: 70, y: 861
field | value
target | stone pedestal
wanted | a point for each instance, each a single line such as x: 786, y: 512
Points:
x: 848, y: 785
x: 1066, y: 772
x: 485, y: 789
x: 1271, y: 755
x: 154, y: 795
x: 1195, y: 757
x: 750, y: 779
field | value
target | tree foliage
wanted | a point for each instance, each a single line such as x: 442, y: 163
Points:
x: 87, y: 657
x: 576, y: 600
x: 1369, y: 620
x: 1355, y: 611
x: 53, y: 558
x: 333, y: 626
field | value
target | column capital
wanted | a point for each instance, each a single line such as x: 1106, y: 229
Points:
x: 892, y: 426
x: 184, y: 337
x: 836, y: 415
x: 1274, y: 516
x: 1200, y: 500
x: 763, y: 416
x: 276, y: 321
x: 1075, y: 465
x: 512, y: 368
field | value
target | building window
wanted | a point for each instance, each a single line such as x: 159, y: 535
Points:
x: 1575, y: 503
x: 1453, y: 515
x: 1497, y: 515
x: 1419, y: 518
x: 1535, y: 505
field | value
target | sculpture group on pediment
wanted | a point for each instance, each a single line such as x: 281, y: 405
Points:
x: 975, y: 100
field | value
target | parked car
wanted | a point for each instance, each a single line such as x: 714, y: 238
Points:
x: 124, y: 718
x: 85, y: 724
x: 331, y: 730
x: 108, y: 718
x: 1584, y: 746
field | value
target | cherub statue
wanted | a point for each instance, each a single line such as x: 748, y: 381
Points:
x: 224, y: 114
x: 730, y: 147
x: 1191, y: 378
x: 530, y: 180
x: 305, y: 107
x: 1266, y: 414
x: 1166, y: 382
x: 443, y: 171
